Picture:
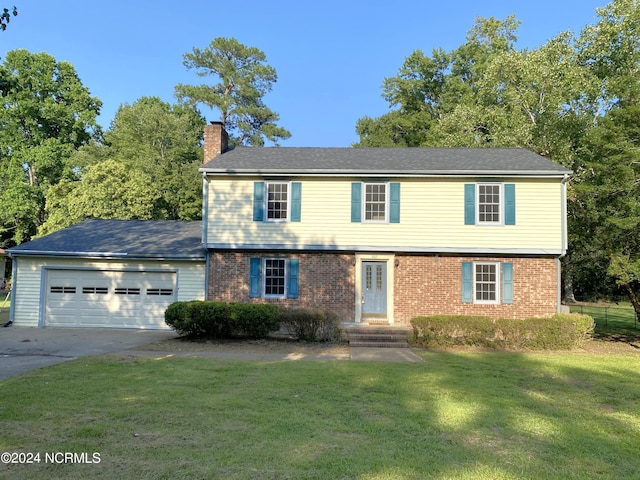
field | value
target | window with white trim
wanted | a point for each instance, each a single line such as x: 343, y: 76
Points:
x: 486, y: 284
x: 375, y: 202
x: 274, y: 277
x: 489, y: 203
x: 277, y: 201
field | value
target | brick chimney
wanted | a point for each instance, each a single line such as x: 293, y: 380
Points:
x: 216, y: 140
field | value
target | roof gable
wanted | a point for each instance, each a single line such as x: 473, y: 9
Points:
x: 382, y: 161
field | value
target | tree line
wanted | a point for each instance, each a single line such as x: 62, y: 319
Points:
x: 574, y: 100
x: 58, y: 166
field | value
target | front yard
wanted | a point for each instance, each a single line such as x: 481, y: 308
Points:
x: 458, y: 415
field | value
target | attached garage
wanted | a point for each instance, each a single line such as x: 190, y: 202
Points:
x: 107, y: 273
x: 98, y: 298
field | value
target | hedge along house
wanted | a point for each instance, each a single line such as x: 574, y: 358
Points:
x: 107, y: 273
x: 380, y: 235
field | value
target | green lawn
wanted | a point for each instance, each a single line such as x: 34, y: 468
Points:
x: 455, y: 416
x: 5, y: 301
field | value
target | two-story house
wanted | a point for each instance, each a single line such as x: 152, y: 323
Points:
x: 377, y: 235
x: 381, y: 235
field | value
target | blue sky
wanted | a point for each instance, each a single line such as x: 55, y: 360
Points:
x: 331, y: 56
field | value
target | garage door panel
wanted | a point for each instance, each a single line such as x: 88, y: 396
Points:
x: 130, y: 299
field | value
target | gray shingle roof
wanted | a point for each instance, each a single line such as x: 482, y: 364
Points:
x: 156, y: 239
x: 382, y: 161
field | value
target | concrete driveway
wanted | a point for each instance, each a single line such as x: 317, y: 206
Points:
x: 27, y: 348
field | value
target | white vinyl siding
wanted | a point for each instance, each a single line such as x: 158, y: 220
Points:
x: 31, y: 278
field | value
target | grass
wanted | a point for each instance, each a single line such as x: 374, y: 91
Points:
x: 613, y: 323
x: 5, y: 301
x: 455, y: 416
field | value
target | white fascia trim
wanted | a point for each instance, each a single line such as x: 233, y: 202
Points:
x: 386, y: 248
x: 390, y: 174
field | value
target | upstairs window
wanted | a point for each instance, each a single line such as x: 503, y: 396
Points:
x: 277, y: 201
x: 375, y: 202
x: 489, y: 203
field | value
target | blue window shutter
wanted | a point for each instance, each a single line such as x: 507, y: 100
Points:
x: 356, y: 202
x: 254, y: 277
x: 509, y: 204
x: 507, y: 282
x: 469, y: 204
x: 467, y: 282
x: 394, y: 203
x: 292, y: 287
x: 258, y: 201
x: 296, y: 201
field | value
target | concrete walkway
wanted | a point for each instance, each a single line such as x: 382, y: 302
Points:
x: 23, y: 349
x: 364, y: 354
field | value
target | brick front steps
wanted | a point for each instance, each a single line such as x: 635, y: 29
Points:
x: 377, y: 336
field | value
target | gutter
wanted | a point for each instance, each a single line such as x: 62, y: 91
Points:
x: 100, y: 255
x: 381, y: 174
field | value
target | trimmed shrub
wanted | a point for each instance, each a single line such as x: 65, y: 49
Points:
x: 198, y: 319
x: 255, y: 320
x: 176, y: 315
x: 312, y: 324
x: 562, y: 331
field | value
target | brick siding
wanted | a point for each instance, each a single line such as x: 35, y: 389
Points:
x: 430, y: 285
x: 325, y: 280
x: 423, y: 285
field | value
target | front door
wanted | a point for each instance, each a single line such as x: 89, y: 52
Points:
x: 374, y: 289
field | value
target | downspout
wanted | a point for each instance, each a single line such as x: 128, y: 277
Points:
x: 559, y: 284
x: 12, y: 290
x: 205, y: 208
x: 565, y: 242
x: 205, y: 217
x: 206, y: 275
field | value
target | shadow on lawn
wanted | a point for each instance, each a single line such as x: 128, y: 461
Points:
x: 499, y: 416
x: 457, y: 415
x: 614, y: 335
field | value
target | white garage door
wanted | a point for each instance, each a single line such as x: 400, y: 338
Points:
x: 96, y: 298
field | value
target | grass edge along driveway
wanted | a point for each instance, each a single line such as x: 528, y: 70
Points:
x: 455, y: 416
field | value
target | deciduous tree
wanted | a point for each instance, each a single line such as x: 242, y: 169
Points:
x: 45, y: 114
x: 107, y: 190
x: 156, y: 146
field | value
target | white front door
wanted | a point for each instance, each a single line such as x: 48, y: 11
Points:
x: 374, y: 288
